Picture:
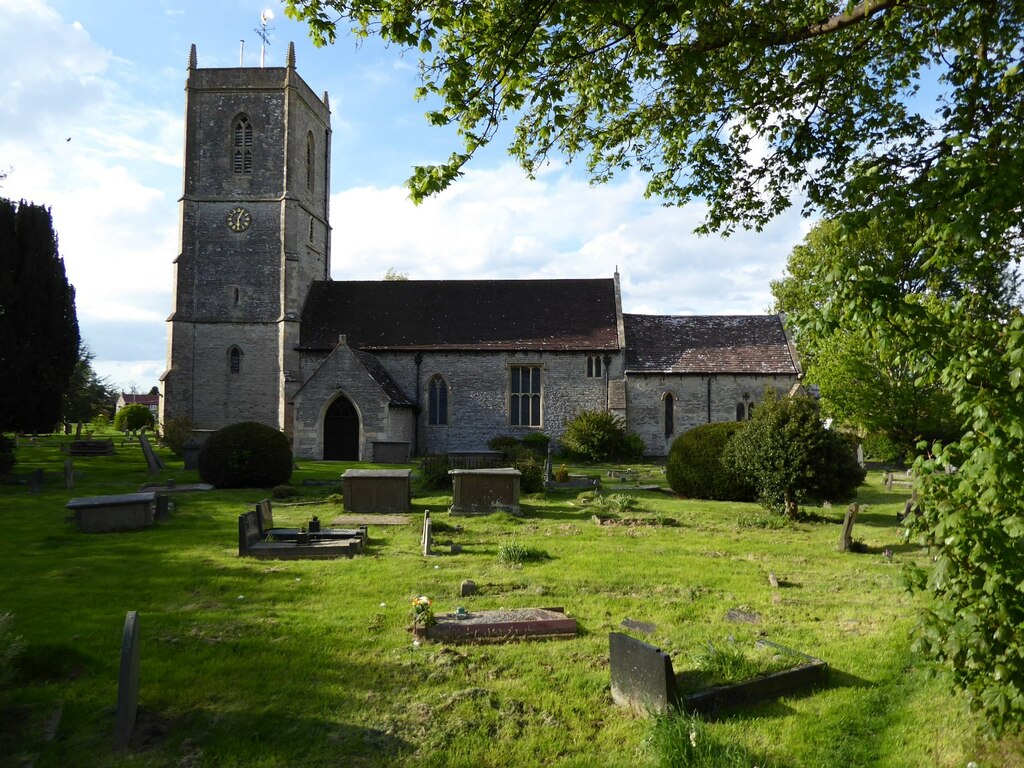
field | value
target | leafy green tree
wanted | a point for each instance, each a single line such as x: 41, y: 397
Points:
x: 600, y: 436
x: 695, y: 468
x: 134, y: 416
x: 791, y: 458
x: 38, y: 326
x: 88, y: 394
x: 752, y: 105
x: 864, y: 385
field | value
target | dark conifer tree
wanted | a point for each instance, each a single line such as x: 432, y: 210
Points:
x: 39, y: 337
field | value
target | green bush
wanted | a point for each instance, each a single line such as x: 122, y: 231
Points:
x: 791, y: 457
x: 434, y: 473
x: 600, y: 436
x: 880, y: 447
x: 283, y: 491
x: 177, y: 431
x: 538, y: 443
x: 7, y: 457
x: 695, y: 468
x: 507, y: 444
x: 532, y: 479
x: 134, y: 416
x: 246, y: 455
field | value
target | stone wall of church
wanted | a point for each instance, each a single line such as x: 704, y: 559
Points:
x: 478, y: 393
x: 645, y: 402
x: 252, y: 394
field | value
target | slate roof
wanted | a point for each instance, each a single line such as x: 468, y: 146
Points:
x: 461, y: 315
x: 382, y: 378
x: 708, y: 344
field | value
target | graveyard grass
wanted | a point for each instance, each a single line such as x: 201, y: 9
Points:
x: 262, y: 663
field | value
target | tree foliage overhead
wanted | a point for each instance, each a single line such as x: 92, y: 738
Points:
x: 907, y: 113
x: 39, y: 338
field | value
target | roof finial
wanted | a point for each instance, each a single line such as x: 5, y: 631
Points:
x: 291, y: 56
x: 327, y: 101
x: 192, y: 57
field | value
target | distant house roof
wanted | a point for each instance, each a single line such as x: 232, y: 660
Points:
x: 146, y: 400
x: 708, y: 344
x: 461, y: 315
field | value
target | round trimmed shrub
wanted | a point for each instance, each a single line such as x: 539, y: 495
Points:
x: 246, y: 455
x: 134, y: 416
x: 600, y: 436
x: 695, y: 468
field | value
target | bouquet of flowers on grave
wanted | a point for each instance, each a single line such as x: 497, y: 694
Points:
x: 422, y: 613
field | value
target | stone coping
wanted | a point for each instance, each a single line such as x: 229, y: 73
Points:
x: 492, y: 471
x: 88, y: 502
x: 350, y: 473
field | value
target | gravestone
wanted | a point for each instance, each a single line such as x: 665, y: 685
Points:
x: 154, y: 462
x: 642, y: 675
x: 163, y: 507
x: 860, y: 455
x: 69, y: 474
x: 35, y: 479
x: 467, y: 588
x: 846, y: 537
x: 128, y: 680
x: 428, y: 535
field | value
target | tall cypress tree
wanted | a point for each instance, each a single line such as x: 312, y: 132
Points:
x: 39, y: 336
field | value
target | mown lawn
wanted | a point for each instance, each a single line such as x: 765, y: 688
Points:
x: 261, y: 663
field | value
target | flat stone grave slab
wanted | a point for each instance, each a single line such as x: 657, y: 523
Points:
x: 357, y: 520
x: 377, y: 490
x: 503, y: 625
x: 120, y: 512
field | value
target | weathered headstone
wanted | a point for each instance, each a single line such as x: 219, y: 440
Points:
x: 128, y: 680
x: 467, y: 588
x: 163, y: 507
x: 428, y: 534
x: 69, y: 473
x: 641, y: 675
x: 846, y: 537
x: 860, y: 455
x: 773, y: 581
x: 739, y: 615
x: 549, y: 473
x: 35, y: 479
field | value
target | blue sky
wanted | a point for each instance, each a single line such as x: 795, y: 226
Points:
x: 91, y: 124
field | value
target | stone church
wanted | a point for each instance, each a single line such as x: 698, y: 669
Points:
x: 358, y: 370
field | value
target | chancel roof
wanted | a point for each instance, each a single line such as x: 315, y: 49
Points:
x: 749, y: 344
x: 461, y: 315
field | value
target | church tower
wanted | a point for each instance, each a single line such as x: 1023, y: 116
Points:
x: 254, y: 235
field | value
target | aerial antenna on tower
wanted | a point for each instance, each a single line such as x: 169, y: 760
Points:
x: 261, y: 30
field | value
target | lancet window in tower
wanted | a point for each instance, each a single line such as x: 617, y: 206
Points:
x: 241, y: 138
x: 309, y: 161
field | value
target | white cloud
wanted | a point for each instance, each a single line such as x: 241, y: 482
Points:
x: 496, y: 224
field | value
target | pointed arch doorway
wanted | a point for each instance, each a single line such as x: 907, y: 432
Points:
x: 341, y: 431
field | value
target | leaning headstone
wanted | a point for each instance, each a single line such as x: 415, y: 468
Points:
x: 69, y: 474
x: 154, y: 462
x: 35, y: 479
x: 773, y: 581
x: 128, y: 680
x: 846, y: 537
x: 641, y: 675
x: 467, y: 588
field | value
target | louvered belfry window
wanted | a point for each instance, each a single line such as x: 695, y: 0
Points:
x: 242, y: 142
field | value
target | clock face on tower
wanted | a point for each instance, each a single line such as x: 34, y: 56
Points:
x: 239, y: 219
